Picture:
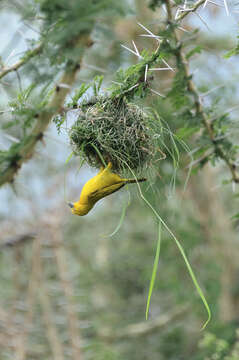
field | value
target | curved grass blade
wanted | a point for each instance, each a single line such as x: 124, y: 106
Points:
x: 66, y: 162
x: 123, y: 212
x: 190, y: 270
x: 154, y: 271
x: 100, y: 156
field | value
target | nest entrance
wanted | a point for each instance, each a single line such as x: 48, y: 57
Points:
x: 120, y: 133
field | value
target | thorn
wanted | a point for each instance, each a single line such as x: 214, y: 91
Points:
x: 136, y: 50
x: 132, y: 87
x: 133, y: 52
x: 116, y: 82
x: 212, y: 2
x: 12, y: 53
x: 160, y: 69
x: 176, y: 14
x: 205, y: 4
x: 146, y: 72
x: 213, y: 89
x: 181, y: 28
x: 151, y: 36
x: 11, y: 138
x: 157, y: 93
x: 93, y: 67
x: 148, y: 31
x: 226, y: 7
x: 203, y: 21
x: 164, y: 9
x: 165, y: 62
x: 66, y: 86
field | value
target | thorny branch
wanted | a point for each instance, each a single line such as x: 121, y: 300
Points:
x: 28, y: 55
x: 193, y: 9
x: 197, y: 101
x: 43, y: 120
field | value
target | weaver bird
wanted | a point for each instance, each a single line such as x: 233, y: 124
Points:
x: 103, y: 184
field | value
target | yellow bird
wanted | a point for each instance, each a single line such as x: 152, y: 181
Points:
x: 103, y: 184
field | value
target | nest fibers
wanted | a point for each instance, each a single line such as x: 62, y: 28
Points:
x: 113, y: 131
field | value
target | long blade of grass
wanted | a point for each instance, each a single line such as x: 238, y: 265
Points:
x: 154, y: 271
x: 100, y: 156
x: 123, y: 212
x: 65, y: 172
x: 190, y: 270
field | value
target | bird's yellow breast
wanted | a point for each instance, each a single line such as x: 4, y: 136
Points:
x: 101, y: 185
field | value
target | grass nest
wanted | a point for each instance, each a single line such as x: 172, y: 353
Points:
x: 113, y: 131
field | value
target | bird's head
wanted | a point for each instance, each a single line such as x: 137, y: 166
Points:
x: 79, y: 209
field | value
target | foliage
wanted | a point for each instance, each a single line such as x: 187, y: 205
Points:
x: 92, y: 288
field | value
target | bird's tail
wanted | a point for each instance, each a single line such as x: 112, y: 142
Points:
x: 132, y: 181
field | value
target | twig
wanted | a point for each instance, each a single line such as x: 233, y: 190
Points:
x: 18, y: 240
x: 42, y: 122
x: 28, y: 55
x: 197, y: 100
x: 193, y: 9
x: 144, y: 328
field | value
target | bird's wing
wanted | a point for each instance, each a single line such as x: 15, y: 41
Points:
x: 104, y: 191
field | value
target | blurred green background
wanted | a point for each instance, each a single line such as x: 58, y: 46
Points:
x: 69, y: 290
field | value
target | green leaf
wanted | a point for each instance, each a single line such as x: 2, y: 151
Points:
x: 196, y: 50
x: 154, y: 272
x: 235, y: 217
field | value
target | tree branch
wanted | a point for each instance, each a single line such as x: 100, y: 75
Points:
x: 27, y: 56
x: 197, y: 101
x: 193, y: 9
x: 27, y: 148
x: 145, y: 327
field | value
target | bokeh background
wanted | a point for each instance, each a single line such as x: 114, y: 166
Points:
x: 69, y: 289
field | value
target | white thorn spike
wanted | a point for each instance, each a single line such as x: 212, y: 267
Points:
x: 165, y: 62
x: 202, y: 20
x: 157, y: 93
x: 176, y: 14
x: 213, y: 89
x: 164, y: 9
x: 12, y: 53
x: 132, y: 87
x: 161, y: 69
x: 226, y: 7
x: 212, y: 2
x: 135, y: 48
x: 146, y: 72
x: 116, y: 82
x: 182, y: 29
x: 148, y: 31
x: 151, y: 36
x: 133, y: 52
x: 205, y: 4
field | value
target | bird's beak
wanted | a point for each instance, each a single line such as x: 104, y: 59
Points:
x: 71, y: 205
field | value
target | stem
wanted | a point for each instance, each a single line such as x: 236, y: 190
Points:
x: 28, y: 144
x: 28, y: 55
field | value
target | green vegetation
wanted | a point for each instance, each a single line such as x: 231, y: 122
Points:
x: 162, y: 106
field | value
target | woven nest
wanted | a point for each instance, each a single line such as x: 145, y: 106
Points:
x: 115, y: 132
